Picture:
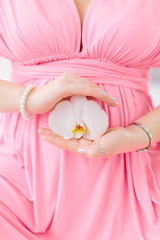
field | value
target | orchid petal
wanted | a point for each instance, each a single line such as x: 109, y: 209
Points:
x: 95, y: 120
x: 61, y: 119
x: 77, y: 103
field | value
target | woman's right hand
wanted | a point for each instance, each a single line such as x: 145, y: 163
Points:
x: 44, y: 99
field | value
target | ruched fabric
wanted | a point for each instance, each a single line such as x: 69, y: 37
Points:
x: 51, y: 194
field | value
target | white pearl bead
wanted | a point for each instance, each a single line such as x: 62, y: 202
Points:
x: 23, y: 101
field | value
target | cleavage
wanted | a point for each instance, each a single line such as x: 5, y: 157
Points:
x: 82, y: 9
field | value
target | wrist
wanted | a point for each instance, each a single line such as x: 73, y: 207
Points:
x: 19, y: 95
x: 138, y: 137
x: 31, y: 100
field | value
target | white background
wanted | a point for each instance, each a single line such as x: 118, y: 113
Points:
x: 5, y: 71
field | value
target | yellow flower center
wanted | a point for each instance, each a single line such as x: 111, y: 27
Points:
x: 79, y: 129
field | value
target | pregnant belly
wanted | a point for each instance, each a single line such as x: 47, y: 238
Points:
x: 128, y: 85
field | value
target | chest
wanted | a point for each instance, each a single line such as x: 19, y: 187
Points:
x: 117, y: 30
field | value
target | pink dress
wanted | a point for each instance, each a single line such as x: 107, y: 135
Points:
x: 51, y: 194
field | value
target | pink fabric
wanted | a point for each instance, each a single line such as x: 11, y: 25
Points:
x: 48, y: 193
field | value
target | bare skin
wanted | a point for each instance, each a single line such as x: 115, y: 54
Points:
x: 82, y: 6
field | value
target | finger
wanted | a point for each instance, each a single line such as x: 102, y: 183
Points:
x: 95, y: 151
x: 108, y: 130
x: 79, y: 79
x: 91, y: 151
x: 71, y: 145
x: 85, y: 142
x: 95, y: 86
x: 98, y: 93
x: 83, y: 86
x: 77, y: 85
x: 45, y: 131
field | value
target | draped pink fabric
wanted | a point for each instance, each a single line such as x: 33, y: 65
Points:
x: 48, y: 193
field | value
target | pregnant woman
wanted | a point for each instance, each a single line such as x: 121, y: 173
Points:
x: 57, y: 189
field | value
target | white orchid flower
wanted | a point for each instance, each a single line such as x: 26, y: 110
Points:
x: 78, y: 117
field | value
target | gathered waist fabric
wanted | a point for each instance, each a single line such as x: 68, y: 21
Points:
x: 97, y: 71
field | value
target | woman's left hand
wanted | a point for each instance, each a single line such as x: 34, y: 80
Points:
x: 114, y: 141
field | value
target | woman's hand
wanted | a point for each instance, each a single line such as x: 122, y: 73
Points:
x: 44, y: 99
x: 114, y: 141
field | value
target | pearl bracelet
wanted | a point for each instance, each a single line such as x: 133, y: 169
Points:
x: 148, y: 133
x: 23, y: 102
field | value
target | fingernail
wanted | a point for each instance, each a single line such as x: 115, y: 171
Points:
x: 81, y: 150
x: 102, y: 93
x: 113, y: 98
